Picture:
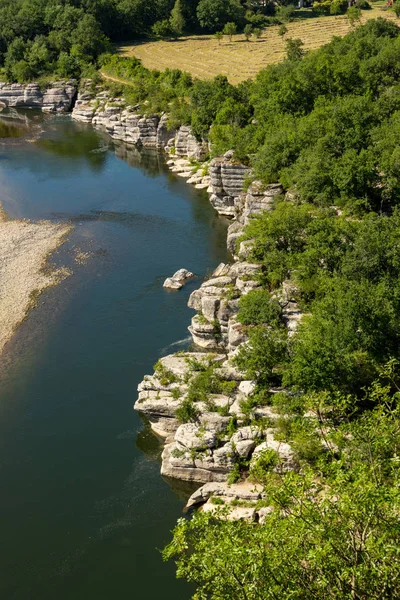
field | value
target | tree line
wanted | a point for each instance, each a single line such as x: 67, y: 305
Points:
x: 65, y: 37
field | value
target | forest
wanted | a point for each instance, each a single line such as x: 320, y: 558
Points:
x: 66, y: 37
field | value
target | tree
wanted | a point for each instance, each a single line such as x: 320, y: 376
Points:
x: 177, y: 20
x: 396, y: 9
x: 218, y: 36
x: 294, y: 49
x: 257, y: 32
x: 353, y: 15
x: 331, y: 531
x: 248, y: 31
x: 230, y: 30
x: 286, y: 13
x: 214, y: 14
x: 162, y: 28
x: 282, y: 31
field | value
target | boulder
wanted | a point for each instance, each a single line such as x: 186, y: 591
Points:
x: 172, y: 284
x: 287, y: 461
x: 178, y: 280
x: 193, y: 436
x: 236, y: 491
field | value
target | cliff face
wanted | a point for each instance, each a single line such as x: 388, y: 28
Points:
x: 205, y: 449
x: 205, y: 444
x: 126, y: 124
x: 58, y: 97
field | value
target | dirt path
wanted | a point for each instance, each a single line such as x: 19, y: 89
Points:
x: 116, y: 79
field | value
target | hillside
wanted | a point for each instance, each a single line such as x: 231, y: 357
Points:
x: 239, y: 60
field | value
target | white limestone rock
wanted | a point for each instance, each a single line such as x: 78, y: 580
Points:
x: 193, y: 436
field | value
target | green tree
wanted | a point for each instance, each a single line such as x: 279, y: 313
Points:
x: 219, y: 36
x: 162, y: 29
x: 353, y: 15
x: 214, y: 14
x: 248, y: 31
x: 294, y: 49
x: 230, y: 30
x: 282, y: 31
x: 177, y: 20
x: 257, y: 32
x: 331, y: 530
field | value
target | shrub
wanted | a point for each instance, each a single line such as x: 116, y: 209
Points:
x: 259, y: 307
x: 187, y: 412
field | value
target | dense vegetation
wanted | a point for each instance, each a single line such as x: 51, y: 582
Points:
x: 326, y: 126
x: 66, y: 37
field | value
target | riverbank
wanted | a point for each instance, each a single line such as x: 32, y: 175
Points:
x: 200, y: 402
x: 24, y: 271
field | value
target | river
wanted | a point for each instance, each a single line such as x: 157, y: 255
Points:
x: 83, y: 508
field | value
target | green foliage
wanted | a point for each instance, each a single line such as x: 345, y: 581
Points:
x: 216, y: 500
x: 332, y: 7
x: 363, y: 4
x: 230, y: 29
x: 177, y: 20
x: 248, y: 31
x: 286, y: 13
x: 294, y: 49
x: 332, y: 530
x: 207, y: 382
x: 263, y: 358
x: 282, y: 31
x: 163, y: 29
x: 259, y: 307
x: 165, y: 376
x: 219, y: 36
x: 187, y: 412
x: 214, y: 14
x: 353, y: 15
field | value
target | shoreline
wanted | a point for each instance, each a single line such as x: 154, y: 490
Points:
x: 207, y: 448
x: 25, y: 248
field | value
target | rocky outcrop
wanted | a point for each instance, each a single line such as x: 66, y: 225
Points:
x: 206, y: 429
x: 187, y: 145
x: 57, y: 98
x: 226, y: 185
x: 234, y: 502
x: 215, y: 437
x: 129, y: 124
x: 215, y: 325
x: 178, y: 280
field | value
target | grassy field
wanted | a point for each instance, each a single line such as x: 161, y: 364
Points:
x: 204, y: 57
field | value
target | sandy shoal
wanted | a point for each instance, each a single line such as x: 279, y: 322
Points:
x: 24, y: 249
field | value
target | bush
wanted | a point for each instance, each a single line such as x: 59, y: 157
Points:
x: 286, y: 13
x: 187, y: 412
x: 363, y: 4
x: 163, y: 29
x: 259, y: 307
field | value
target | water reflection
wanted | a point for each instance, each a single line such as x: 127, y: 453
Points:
x: 78, y: 145
x: 152, y: 446
x: 12, y: 125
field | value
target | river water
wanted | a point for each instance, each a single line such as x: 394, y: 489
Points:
x: 83, y: 508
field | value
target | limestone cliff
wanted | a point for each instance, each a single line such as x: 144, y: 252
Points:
x: 58, y: 97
